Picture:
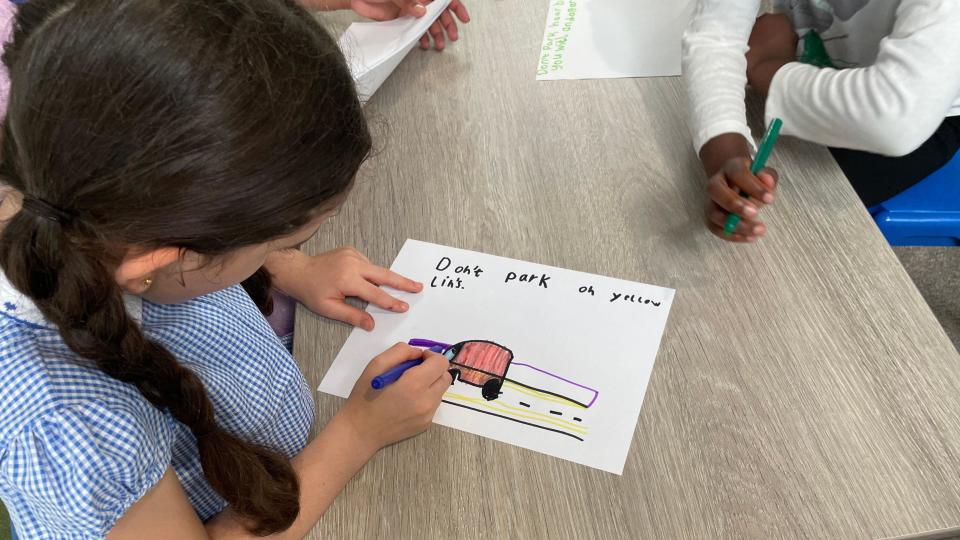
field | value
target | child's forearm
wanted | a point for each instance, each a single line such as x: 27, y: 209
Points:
x: 325, y: 5
x: 714, y: 67
x: 324, y: 468
x: 889, y: 107
x: 761, y: 75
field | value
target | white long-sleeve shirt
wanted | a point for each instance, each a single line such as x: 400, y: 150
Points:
x: 900, y: 73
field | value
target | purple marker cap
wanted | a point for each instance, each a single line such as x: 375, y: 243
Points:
x: 417, y: 342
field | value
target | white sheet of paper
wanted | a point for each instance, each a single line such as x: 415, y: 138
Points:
x: 374, y: 49
x: 583, y: 349
x: 608, y: 39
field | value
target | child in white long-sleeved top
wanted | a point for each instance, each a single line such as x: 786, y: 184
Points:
x: 160, y: 163
x: 876, y: 81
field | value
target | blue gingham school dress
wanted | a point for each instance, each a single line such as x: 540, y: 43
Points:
x: 78, y: 448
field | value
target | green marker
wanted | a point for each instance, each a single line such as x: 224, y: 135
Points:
x: 815, y: 52
x: 766, y: 146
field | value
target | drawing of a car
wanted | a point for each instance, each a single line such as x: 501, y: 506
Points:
x: 480, y: 363
x: 540, y: 398
x: 484, y: 364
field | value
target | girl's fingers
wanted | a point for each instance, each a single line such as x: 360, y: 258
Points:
x: 449, y: 25
x: 728, y: 199
x: 440, y: 386
x: 413, y: 8
x: 397, y: 354
x: 746, y: 227
x: 379, y: 297
x: 341, y: 311
x: 445, y: 24
x: 460, y: 10
x: 383, y: 276
x: 436, y: 32
x: 377, y: 12
x: 434, y: 367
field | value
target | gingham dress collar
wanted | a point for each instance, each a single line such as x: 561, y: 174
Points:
x: 16, y: 305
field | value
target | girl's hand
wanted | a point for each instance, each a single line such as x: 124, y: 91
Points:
x: 723, y: 192
x: 403, y: 409
x: 387, y: 10
x: 445, y: 24
x: 323, y: 282
x: 443, y: 29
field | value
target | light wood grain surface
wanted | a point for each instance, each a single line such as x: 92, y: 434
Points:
x: 802, y: 390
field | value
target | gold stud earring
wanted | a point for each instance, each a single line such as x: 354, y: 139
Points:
x: 147, y: 283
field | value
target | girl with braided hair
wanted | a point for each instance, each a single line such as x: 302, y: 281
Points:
x: 154, y: 157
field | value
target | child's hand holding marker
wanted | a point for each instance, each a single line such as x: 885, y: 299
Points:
x: 723, y: 191
x: 739, y: 191
x: 400, y: 410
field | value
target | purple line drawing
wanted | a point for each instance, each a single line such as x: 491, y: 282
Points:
x: 554, y: 375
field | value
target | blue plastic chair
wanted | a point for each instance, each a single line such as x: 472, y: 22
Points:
x: 927, y: 214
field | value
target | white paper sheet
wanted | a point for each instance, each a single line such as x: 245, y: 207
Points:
x: 606, y: 39
x: 583, y: 349
x: 374, y: 49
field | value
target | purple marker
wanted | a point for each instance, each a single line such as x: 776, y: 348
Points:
x: 393, y: 374
x: 417, y: 342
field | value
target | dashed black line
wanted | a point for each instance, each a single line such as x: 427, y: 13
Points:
x: 513, y: 420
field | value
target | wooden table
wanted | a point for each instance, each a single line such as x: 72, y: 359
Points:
x: 803, y: 387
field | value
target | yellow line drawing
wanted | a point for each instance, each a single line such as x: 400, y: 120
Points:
x: 529, y: 415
